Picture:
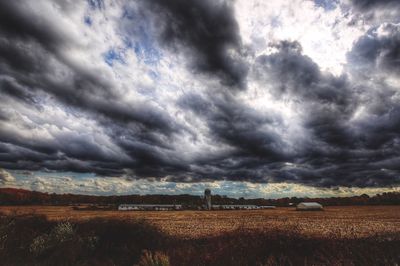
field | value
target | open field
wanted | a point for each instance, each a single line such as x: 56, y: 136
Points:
x: 53, y: 235
x: 348, y: 222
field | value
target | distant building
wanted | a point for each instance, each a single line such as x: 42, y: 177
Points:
x: 207, y: 198
x: 240, y: 207
x: 209, y: 206
x: 149, y: 207
x: 309, y: 206
x: 267, y: 207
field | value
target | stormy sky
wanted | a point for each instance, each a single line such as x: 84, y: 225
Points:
x: 251, y: 98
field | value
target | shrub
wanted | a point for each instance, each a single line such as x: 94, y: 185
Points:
x: 4, y: 228
x: 61, y: 233
x: 39, y: 244
x: 153, y: 259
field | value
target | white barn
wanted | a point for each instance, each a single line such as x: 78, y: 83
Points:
x: 267, y: 207
x: 149, y: 207
x: 240, y: 207
x: 309, y: 206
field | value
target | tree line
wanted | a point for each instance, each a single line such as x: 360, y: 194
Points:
x: 12, y: 196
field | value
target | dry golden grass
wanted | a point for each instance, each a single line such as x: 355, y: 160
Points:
x: 334, y: 222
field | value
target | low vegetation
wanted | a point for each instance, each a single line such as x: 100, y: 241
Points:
x: 35, y: 240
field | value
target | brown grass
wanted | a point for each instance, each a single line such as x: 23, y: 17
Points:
x: 333, y: 223
x: 336, y: 236
x: 34, y: 240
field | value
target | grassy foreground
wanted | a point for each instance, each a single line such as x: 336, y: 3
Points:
x: 34, y: 240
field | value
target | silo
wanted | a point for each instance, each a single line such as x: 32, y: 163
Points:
x: 207, y: 197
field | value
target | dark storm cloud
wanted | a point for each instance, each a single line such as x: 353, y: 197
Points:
x: 31, y: 49
x: 296, y: 74
x: 370, y: 4
x: 339, y: 150
x: 15, y: 90
x: 348, y: 125
x: 376, y: 56
x: 16, y: 21
x: 259, y: 152
x: 376, y: 11
x: 378, y: 50
x: 209, y: 31
x: 326, y: 98
x: 230, y: 122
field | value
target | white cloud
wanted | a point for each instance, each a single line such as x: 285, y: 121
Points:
x: 326, y: 36
x: 6, y: 178
x: 103, y: 45
x: 89, y: 184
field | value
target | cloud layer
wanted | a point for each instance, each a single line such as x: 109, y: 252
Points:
x: 198, y: 91
x: 6, y: 177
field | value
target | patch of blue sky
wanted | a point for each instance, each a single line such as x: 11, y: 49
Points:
x: 88, y: 20
x: 96, y: 4
x: 65, y: 174
x: 153, y: 75
x: 147, y: 53
x: 275, y: 21
x: 326, y: 4
x: 114, y: 55
x: 139, y: 38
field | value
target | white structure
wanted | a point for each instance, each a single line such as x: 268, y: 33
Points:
x: 240, y: 207
x: 234, y: 207
x: 207, y: 197
x: 149, y: 207
x: 267, y: 207
x: 309, y: 206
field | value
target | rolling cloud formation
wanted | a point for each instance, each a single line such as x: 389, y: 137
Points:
x: 202, y: 90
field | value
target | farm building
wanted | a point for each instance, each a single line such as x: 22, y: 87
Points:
x: 206, y: 205
x: 240, y: 207
x: 207, y: 197
x: 267, y: 207
x: 209, y: 206
x: 309, y: 206
x: 148, y: 207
